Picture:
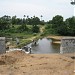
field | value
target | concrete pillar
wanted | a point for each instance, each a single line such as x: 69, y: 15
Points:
x: 67, y: 45
x: 2, y: 45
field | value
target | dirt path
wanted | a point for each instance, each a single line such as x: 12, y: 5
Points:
x: 42, y: 29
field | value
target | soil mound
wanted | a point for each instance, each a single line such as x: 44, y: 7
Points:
x: 11, y: 57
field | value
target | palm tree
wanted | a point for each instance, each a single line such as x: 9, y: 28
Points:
x: 34, y: 16
x: 27, y: 19
x: 24, y: 19
x: 41, y: 17
x: 27, y: 16
x: 24, y: 16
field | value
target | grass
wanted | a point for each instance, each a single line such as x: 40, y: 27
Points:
x: 24, y: 37
x: 23, y: 42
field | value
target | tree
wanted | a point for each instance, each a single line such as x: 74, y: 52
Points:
x: 24, y: 16
x: 35, y: 21
x: 27, y: 19
x: 23, y: 27
x: 41, y: 17
x: 62, y: 30
x: 13, y: 21
x: 70, y: 23
x: 61, y: 27
x: 57, y: 21
x: 57, y: 26
x: 27, y: 16
x: 35, y: 29
x: 19, y: 21
x: 5, y: 22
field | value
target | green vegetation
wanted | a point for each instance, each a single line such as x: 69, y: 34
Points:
x: 57, y: 26
x: 23, y: 42
x: 12, y: 27
x: 23, y: 29
x: 27, y: 28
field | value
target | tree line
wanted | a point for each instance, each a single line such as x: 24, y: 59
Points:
x: 58, y: 26
x: 8, y: 22
x: 55, y: 26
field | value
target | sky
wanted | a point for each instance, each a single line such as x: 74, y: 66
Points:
x: 47, y: 8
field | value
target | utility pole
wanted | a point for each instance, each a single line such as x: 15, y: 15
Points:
x: 73, y: 3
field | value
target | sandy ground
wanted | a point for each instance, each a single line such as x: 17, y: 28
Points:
x: 19, y: 63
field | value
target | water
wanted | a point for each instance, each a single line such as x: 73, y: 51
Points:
x: 45, y: 46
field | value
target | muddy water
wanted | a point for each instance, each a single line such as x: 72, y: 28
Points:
x: 45, y: 46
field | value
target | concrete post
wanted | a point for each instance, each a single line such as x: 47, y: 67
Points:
x: 2, y: 45
x: 67, y: 45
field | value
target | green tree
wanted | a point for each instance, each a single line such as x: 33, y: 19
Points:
x: 57, y: 21
x: 58, y: 24
x: 35, y: 21
x: 5, y: 22
x: 19, y: 21
x: 23, y: 27
x: 35, y: 29
x: 70, y: 23
x: 14, y: 20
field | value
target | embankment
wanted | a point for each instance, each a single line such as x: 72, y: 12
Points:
x: 19, y: 63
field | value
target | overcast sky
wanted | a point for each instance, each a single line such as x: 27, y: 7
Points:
x: 47, y: 8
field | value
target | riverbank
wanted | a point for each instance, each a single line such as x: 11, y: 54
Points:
x: 24, y: 40
x: 19, y: 63
x: 57, y: 39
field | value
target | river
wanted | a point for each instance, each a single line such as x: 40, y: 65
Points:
x: 45, y: 46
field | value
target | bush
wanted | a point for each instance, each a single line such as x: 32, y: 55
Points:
x: 23, y: 28
x: 35, y: 29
